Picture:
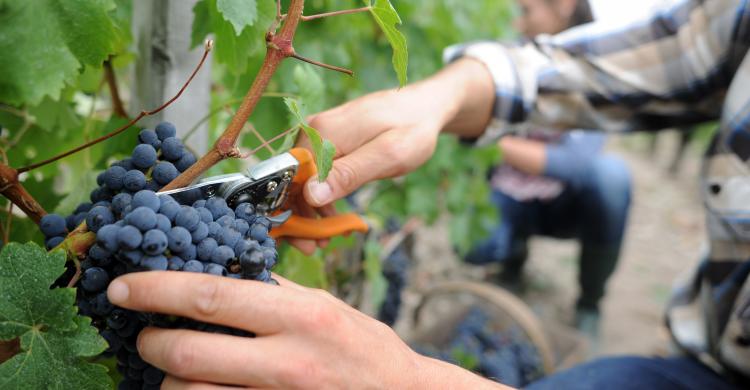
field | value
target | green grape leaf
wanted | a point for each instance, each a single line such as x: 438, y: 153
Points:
x: 54, y: 340
x: 308, y: 271
x: 387, y: 18
x: 239, y: 13
x: 231, y: 48
x: 323, y: 149
x: 51, y: 41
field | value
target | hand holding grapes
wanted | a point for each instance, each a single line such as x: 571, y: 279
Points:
x: 305, y: 338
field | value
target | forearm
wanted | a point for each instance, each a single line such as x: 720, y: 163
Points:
x: 466, y: 94
x: 436, y: 374
x: 528, y: 156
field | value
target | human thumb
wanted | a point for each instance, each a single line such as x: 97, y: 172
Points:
x: 341, y: 181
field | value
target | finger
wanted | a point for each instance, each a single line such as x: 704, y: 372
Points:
x: 209, y: 357
x: 240, y: 304
x: 174, y: 383
x: 374, y: 160
x: 305, y: 246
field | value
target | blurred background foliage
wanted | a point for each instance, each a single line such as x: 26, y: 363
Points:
x: 453, y: 182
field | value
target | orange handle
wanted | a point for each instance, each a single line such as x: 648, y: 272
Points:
x: 319, y: 229
x: 311, y: 228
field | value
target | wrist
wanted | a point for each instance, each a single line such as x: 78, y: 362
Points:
x: 436, y: 374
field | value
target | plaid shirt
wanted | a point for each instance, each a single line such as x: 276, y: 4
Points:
x: 687, y: 64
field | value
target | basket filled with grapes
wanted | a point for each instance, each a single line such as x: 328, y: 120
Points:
x: 488, y: 330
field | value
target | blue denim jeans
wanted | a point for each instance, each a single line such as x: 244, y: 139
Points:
x: 632, y: 372
x: 593, y: 209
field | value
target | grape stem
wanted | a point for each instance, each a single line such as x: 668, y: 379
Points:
x: 109, y: 75
x: 335, y: 13
x: 278, y: 47
x: 322, y: 65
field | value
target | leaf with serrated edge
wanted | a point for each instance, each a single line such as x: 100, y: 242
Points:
x: 54, y: 340
x: 46, y: 42
x: 387, y: 18
x: 323, y: 150
x: 240, y: 13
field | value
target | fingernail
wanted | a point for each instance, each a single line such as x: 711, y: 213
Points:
x: 320, y: 192
x: 118, y: 292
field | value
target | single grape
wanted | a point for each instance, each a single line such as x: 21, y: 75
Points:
x: 241, y: 226
x: 187, y: 160
x: 120, y: 202
x: 100, y: 305
x: 269, y: 243
x: 134, y: 180
x: 154, y: 242
x: 98, y: 217
x: 179, y: 239
x: 117, y: 319
x: 142, y: 217
x: 188, y: 218
x: 53, y: 242
x: 270, y: 255
x: 258, y: 232
x: 245, y: 211
x: 205, y: 248
x: 229, y: 237
x: 83, y: 208
x: 153, y: 376
x: 252, y: 263
x: 94, y: 279
x: 53, y: 225
x: 155, y: 263
x: 191, y: 253
x: 149, y: 137
x: 144, y: 156
x: 107, y: 237
x: 214, y: 230
x: 164, y: 172
x: 130, y: 237
x: 165, y: 130
x: 217, y: 206
x: 172, y: 149
x: 175, y: 263
x: 199, y: 203
x: 193, y: 266
x: 126, y: 164
x: 222, y: 255
x: 163, y: 223
x: 99, y: 254
x: 225, y: 221
x: 206, y: 216
x: 146, y: 198
x: 114, y: 176
x: 132, y: 257
x: 153, y: 186
x: 215, y: 269
x: 200, y: 233
x: 170, y: 209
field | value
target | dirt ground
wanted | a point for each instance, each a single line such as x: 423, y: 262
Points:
x: 664, y: 238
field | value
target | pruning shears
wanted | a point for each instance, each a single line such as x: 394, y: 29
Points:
x: 269, y: 185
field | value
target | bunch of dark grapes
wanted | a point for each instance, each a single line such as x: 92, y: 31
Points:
x: 138, y: 230
x: 395, y: 271
x: 504, y: 356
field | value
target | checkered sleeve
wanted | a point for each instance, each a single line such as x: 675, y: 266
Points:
x: 670, y: 70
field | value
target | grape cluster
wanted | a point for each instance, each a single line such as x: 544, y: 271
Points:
x: 139, y: 230
x: 395, y: 271
x: 506, y: 357
x: 158, y: 159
